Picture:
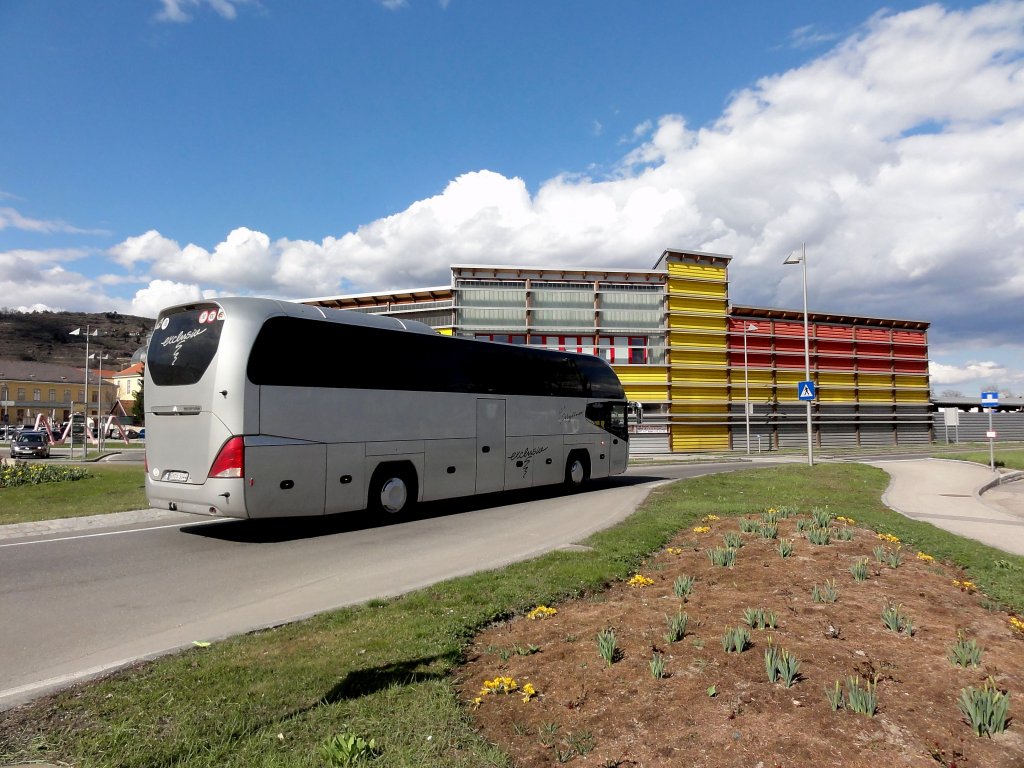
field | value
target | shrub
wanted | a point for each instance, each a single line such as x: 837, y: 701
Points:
x: 733, y: 540
x: 676, y: 627
x: 607, y: 646
x: 826, y: 593
x: 749, y: 526
x: 345, y: 750
x: 863, y: 701
x: 895, y: 619
x: 986, y: 710
x: 760, y: 618
x: 819, y: 536
x: 657, y: 666
x: 736, y: 640
x: 859, y: 570
x: 821, y: 517
x: 22, y: 473
x: 683, y: 586
x: 966, y: 653
x: 723, y: 556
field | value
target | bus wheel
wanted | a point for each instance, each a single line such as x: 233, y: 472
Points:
x: 577, y: 469
x: 392, y: 490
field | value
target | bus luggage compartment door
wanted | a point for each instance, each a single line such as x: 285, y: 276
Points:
x: 285, y: 480
x: 519, y: 453
x: 490, y: 445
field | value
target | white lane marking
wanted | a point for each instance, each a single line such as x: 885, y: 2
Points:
x: 92, y: 535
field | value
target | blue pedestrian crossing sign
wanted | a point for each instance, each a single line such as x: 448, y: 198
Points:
x: 989, y: 399
x: 805, y: 390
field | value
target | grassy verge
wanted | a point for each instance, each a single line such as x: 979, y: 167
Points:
x: 1011, y: 459
x: 109, y: 488
x: 383, y: 670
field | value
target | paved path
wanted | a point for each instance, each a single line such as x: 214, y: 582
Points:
x: 952, y: 495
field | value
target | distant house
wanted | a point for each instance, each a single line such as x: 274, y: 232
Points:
x: 28, y: 389
x: 129, y: 382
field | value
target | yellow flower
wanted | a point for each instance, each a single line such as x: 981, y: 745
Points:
x: 528, y: 692
x: 499, y: 685
x: 925, y: 558
x: 674, y: 551
x: 709, y: 518
x: 888, y: 537
x: 640, y: 581
x: 1017, y: 624
x: 967, y: 586
x: 701, y: 529
x: 847, y: 520
x: 541, y: 612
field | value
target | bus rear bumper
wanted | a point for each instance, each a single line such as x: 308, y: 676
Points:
x: 217, y: 497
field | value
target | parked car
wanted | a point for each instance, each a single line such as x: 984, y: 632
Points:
x: 142, y: 434
x: 31, y: 444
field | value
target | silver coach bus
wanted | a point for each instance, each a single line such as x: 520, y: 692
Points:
x: 261, y: 408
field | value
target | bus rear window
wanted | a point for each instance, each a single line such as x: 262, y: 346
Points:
x: 184, y: 343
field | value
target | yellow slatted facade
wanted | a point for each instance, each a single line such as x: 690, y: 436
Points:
x: 646, y: 384
x: 698, y: 287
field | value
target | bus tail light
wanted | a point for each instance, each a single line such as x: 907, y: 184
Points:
x: 230, y: 462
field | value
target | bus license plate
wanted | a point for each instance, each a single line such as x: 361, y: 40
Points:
x: 176, y: 476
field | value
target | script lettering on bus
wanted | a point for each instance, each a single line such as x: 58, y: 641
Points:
x: 525, y: 455
x: 179, y: 339
x: 565, y: 415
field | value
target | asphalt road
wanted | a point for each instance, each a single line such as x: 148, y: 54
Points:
x: 80, y: 602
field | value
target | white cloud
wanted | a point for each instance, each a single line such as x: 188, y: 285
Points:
x: 10, y: 218
x: 150, y: 247
x: 178, y: 10
x: 973, y: 377
x: 148, y: 301
x: 53, y: 255
x: 897, y: 157
x: 942, y: 374
x: 809, y: 37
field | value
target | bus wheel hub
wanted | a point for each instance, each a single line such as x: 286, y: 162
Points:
x: 393, y: 495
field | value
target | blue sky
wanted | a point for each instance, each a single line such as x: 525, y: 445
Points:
x: 158, y: 150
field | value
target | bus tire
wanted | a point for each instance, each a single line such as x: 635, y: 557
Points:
x: 577, y: 469
x: 393, y: 489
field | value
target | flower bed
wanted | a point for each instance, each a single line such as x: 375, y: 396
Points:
x: 24, y: 473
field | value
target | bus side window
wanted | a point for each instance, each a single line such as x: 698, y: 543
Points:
x: 610, y: 417
x: 619, y: 426
x: 597, y: 414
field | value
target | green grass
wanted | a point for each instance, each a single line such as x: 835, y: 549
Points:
x: 1010, y: 458
x: 383, y: 670
x: 110, y: 488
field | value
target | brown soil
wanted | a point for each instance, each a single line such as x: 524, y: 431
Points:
x: 589, y: 713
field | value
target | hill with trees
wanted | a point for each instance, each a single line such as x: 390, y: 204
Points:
x: 45, y: 337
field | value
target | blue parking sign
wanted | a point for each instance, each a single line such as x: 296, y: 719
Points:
x: 989, y: 399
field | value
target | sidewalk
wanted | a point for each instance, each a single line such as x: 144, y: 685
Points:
x: 960, y: 497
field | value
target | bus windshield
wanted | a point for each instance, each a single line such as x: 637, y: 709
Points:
x: 184, y: 343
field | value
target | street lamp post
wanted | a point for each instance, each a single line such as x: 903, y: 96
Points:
x: 746, y: 383
x: 5, y: 419
x: 802, y: 260
x: 100, y: 427
x: 85, y: 407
